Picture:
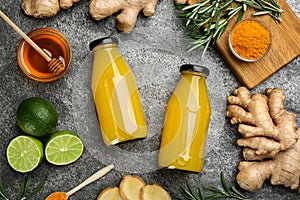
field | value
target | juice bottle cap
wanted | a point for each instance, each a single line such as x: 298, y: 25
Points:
x: 102, y: 41
x: 195, y: 68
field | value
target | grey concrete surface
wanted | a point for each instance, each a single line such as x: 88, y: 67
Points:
x: 154, y: 50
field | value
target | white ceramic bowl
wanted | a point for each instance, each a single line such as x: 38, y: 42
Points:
x: 241, y: 57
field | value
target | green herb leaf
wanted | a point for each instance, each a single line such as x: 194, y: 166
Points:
x: 227, y: 192
x: 3, y: 194
x: 190, y: 194
x: 225, y: 186
x: 36, y: 190
x: 26, y: 184
x: 238, y: 192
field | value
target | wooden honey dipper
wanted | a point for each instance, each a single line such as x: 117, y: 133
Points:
x: 54, y: 64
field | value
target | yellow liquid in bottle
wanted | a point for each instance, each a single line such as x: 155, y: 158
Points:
x: 116, y: 97
x: 186, y: 124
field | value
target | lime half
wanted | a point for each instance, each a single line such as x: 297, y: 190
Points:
x: 24, y: 153
x: 63, y: 147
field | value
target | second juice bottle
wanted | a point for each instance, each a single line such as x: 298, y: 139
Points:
x: 186, y: 122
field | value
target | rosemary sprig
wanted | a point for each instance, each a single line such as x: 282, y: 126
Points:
x: 264, y: 7
x: 3, y: 194
x: 190, y: 194
x: 214, y: 192
x: 23, y: 193
x: 24, y: 190
x: 227, y: 192
x: 206, y: 21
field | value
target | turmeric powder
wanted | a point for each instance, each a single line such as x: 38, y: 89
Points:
x: 250, y: 39
x: 57, y: 196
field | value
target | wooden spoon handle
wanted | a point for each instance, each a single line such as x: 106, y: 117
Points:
x: 91, y: 179
x: 25, y: 37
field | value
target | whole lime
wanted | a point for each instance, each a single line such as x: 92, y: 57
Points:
x: 37, y: 117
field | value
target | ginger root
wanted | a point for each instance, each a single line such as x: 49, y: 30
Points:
x: 98, y: 9
x: 188, y: 2
x: 269, y: 131
x: 283, y: 169
x: 266, y: 126
x: 126, y: 20
x: 45, y: 8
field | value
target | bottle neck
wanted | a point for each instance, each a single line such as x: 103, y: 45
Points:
x: 193, y: 73
x: 104, y: 46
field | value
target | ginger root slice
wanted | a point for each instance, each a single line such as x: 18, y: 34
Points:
x: 110, y: 193
x: 154, y: 191
x: 134, y: 188
x: 126, y: 20
x: 130, y: 187
x: 45, y: 8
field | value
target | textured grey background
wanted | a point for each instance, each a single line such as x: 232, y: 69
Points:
x: 154, y: 51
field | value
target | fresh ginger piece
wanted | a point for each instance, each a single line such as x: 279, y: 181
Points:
x: 154, y: 191
x: 252, y: 175
x: 126, y: 20
x: 259, y: 148
x: 188, y: 2
x: 65, y: 4
x: 283, y: 169
x: 40, y: 8
x: 130, y: 187
x: 110, y: 193
x: 262, y: 116
x: 45, y: 8
x: 269, y: 131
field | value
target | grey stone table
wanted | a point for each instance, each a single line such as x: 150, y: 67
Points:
x: 154, y: 50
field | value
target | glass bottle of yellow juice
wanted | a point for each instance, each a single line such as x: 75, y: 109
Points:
x: 116, y: 96
x: 186, y: 122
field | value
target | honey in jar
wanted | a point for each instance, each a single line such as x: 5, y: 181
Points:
x: 53, y: 43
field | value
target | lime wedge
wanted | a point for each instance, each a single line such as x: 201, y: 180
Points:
x: 24, y: 153
x: 63, y: 147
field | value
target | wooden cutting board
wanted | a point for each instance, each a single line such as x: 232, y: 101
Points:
x: 285, y: 48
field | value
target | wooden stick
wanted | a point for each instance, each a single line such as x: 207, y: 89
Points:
x: 91, y: 179
x: 25, y: 37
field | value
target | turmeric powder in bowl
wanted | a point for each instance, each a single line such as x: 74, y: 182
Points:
x: 58, y: 196
x: 249, y: 40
